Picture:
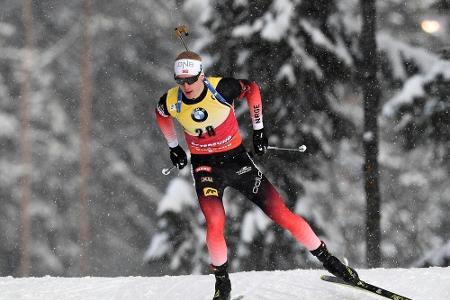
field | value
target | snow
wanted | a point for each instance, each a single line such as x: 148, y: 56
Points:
x: 254, y: 221
x: 287, y: 71
x: 179, y: 195
x: 308, y: 62
x: 273, y: 25
x: 398, y: 51
x: 368, y: 136
x: 413, y: 178
x: 413, y: 87
x: 435, y: 257
x: 428, y: 283
x: 6, y: 29
x: 158, y: 247
x: 8, y: 125
x: 278, y: 21
x: 320, y: 39
x: 195, y: 6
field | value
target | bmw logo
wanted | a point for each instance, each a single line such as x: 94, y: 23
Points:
x: 199, y: 114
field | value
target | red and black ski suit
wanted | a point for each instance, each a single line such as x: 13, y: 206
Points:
x: 218, y: 158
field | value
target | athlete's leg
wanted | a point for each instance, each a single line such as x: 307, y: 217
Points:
x: 214, y: 213
x: 256, y: 187
x: 273, y: 205
x: 209, y: 185
x: 250, y: 181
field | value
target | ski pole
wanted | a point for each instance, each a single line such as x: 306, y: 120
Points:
x: 166, y: 171
x: 302, y: 148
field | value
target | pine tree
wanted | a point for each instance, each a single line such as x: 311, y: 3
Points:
x: 127, y: 49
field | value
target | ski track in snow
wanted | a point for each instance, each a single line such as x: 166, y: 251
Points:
x: 418, y: 284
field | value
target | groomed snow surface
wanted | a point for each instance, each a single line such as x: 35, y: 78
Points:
x: 425, y: 284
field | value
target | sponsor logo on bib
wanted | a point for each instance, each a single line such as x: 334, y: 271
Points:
x: 209, y: 191
x: 199, y: 114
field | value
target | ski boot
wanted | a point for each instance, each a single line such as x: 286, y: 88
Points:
x: 334, y: 265
x: 223, y: 284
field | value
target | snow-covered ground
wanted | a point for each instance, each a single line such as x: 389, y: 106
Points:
x: 425, y: 284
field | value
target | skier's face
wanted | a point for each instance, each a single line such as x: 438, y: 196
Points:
x: 191, y: 86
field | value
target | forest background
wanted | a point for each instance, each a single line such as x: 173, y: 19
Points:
x: 81, y: 189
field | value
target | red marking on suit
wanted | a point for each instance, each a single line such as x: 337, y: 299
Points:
x: 226, y: 137
x: 203, y: 168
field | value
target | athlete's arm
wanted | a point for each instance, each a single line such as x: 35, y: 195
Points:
x: 250, y: 91
x: 165, y: 122
x: 231, y: 89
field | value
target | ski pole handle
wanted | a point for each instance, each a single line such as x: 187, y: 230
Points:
x: 302, y: 148
x: 166, y: 171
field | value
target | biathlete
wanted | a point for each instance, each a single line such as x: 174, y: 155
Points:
x: 204, y: 108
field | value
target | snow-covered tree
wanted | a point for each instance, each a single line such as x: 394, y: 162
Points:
x: 415, y: 153
x: 129, y: 43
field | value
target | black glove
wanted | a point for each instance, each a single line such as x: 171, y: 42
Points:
x: 260, y: 142
x: 178, y: 157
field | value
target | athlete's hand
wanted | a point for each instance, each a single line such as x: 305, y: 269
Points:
x: 178, y: 157
x: 260, y: 142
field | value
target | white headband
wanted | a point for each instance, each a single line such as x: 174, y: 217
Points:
x: 187, y: 67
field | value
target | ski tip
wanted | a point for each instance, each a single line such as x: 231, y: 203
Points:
x: 328, y: 277
x: 334, y: 279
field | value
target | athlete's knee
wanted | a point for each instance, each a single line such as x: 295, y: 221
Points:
x: 274, y: 204
x: 277, y: 210
x: 215, y: 224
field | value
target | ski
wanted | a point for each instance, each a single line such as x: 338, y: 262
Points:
x: 238, y: 297
x: 366, y: 287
